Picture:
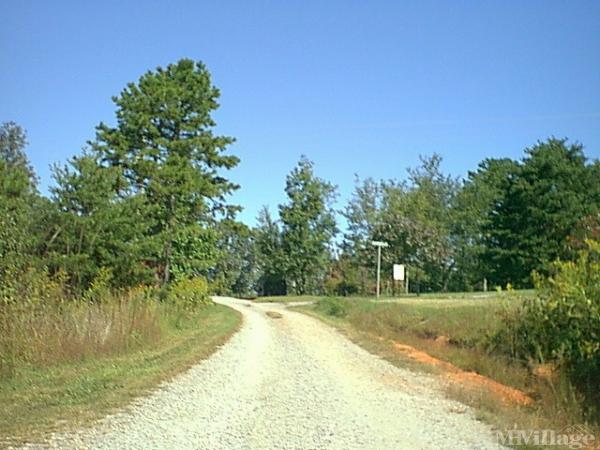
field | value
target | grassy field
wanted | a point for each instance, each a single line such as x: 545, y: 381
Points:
x: 455, y: 328
x: 409, y: 298
x: 43, y: 397
x: 287, y: 298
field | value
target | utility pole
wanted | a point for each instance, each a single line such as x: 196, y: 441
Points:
x: 379, y: 244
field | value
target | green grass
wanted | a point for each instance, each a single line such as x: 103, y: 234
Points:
x: 408, y: 298
x: 40, y: 399
x: 287, y: 298
x: 490, y: 295
x: 464, y: 322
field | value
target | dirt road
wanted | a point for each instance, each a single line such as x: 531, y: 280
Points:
x: 290, y: 382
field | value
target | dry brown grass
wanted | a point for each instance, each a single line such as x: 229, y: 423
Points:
x: 55, y: 330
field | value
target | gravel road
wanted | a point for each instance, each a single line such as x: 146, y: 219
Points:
x: 289, y: 383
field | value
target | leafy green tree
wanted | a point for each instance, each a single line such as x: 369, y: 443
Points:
x: 235, y: 270
x: 195, y: 251
x: 165, y: 146
x: 344, y: 276
x: 309, y: 226
x: 362, y: 214
x: 415, y: 219
x: 271, y: 260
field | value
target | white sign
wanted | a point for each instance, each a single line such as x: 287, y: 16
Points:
x: 399, y: 272
x: 379, y: 244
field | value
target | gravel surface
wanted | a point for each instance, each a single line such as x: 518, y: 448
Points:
x: 289, y: 383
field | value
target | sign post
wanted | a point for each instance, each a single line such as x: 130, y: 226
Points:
x: 379, y: 244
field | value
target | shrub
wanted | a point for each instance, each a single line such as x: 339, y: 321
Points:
x: 332, y: 306
x: 346, y: 288
x: 100, y: 286
x: 562, y: 324
x: 331, y: 285
x: 190, y: 293
x: 336, y: 286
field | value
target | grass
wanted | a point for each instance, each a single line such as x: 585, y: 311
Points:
x: 287, y: 298
x: 455, y: 329
x: 90, y: 378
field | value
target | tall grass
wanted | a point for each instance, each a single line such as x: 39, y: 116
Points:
x: 46, y: 325
x: 66, y: 360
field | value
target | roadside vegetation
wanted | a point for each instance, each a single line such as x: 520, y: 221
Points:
x: 117, y: 262
x: 543, y: 343
x: 65, y: 361
x: 105, y: 284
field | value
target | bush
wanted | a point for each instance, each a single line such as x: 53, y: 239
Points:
x: 331, y: 285
x: 332, y: 306
x: 562, y: 324
x: 190, y: 293
x: 100, y: 286
x: 336, y: 286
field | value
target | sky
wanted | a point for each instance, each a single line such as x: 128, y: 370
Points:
x: 361, y: 88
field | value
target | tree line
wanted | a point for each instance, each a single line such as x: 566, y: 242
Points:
x: 506, y: 220
x: 147, y: 202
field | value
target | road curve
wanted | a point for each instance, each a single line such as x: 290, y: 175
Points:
x: 289, y: 383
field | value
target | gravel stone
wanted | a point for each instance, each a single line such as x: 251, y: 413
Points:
x: 290, y: 383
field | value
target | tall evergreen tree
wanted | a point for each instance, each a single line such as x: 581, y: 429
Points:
x: 166, y: 148
x: 18, y: 195
x: 473, y: 210
x: 553, y: 189
x: 96, y: 228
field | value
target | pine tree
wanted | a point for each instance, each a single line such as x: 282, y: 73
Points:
x: 166, y: 148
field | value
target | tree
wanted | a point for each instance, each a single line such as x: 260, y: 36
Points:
x: 362, y: 214
x: 586, y: 229
x: 308, y: 227
x: 269, y: 249
x: 166, y: 149
x: 18, y: 195
x: 553, y: 189
x: 96, y: 228
x: 415, y: 219
x: 13, y: 140
x: 196, y: 250
x: 235, y: 270
x: 473, y: 210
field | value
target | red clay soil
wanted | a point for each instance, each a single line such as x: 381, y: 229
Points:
x: 506, y: 394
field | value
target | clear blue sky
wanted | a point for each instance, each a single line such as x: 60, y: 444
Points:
x: 359, y: 87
